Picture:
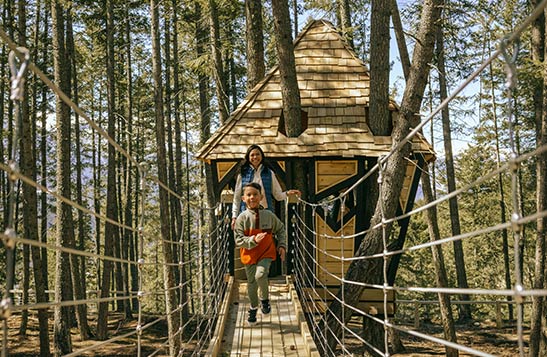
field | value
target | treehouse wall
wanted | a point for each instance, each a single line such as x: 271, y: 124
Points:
x: 335, y: 222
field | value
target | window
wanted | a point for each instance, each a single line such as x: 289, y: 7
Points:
x: 303, y: 122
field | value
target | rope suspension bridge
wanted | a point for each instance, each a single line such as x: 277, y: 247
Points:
x: 204, y: 284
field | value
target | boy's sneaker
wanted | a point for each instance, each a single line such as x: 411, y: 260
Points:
x: 266, y: 308
x: 252, y: 316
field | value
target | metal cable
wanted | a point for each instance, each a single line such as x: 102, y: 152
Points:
x: 5, y: 37
x: 501, y: 226
x: 27, y: 180
x: 516, y: 226
x: 59, y: 248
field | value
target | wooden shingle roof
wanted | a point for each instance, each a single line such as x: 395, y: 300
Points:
x: 334, y: 91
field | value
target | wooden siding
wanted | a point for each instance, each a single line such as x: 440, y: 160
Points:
x: 335, y: 248
x: 330, y: 173
x: 223, y: 168
x: 407, y: 183
x: 370, y: 302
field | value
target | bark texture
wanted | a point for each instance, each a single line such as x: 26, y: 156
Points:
x: 461, y: 274
x: 362, y: 270
x: 62, y: 343
x: 111, y: 233
x: 255, y: 42
x: 173, y: 320
x: 287, y: 69
x: 537, y: 338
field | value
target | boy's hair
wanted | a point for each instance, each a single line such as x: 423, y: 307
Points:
x: 254, y: 185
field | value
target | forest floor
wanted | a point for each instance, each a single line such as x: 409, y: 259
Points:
x: 152, y: 339
x: 484, y: 337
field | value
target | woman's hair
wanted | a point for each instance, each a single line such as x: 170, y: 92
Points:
x: 251, y: 148
x: 254, y: 185
x: 246, y: 161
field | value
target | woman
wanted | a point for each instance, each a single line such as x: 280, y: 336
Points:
x: 254, y: 170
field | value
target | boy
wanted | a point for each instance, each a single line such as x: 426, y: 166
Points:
x: 253, y: 234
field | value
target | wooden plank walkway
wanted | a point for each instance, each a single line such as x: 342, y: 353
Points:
x: 276, y: 334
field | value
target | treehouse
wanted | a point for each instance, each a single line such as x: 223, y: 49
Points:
x: 336, y: 143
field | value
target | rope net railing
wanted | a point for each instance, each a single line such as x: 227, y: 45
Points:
x: 320, y: 273
x: 200, y: 260
x: 140, y: 318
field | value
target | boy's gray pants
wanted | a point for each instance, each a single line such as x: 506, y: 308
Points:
x: 257, y: 281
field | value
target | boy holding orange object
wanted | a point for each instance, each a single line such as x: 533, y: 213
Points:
x: 254, y: 231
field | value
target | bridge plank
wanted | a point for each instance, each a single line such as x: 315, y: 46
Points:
x: 290, y: 329
x: 276, y: 334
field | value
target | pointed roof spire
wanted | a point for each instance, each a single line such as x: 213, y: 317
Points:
x: 334, y: 91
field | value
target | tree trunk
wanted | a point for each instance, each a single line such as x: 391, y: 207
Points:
x: 344, y: 9
x: 216, y: 51
x: 174, y: 202
x: 3, y: 86
x: 501, y: 201
x: 62, y: 341
x: 118, y: 283
x: 9, y: 23
x: 361, y: 270
x: 538, y: 47
x: 30, y: 209
x: 111, y: 234
x: 400, y: 37
x: 128, y: 235
x: 96, y: 158
x: 205, y: 130
x: 520, y: 188
x: 25, y: 117
x: 205, y: 127
x: 287, y: 69
x: 295, y: 17
x: 178, y: 157
x: 77, y: 263
x: 205, y: 114
x: 30, y: 222
x: 25, y: 289
x: 135, y: 250
x: 541, y: 224
x: 440, y: 270
x: 379, y: 123
x: 43, y: 158
x: 173, y: 321
x: 231, y: 76
x: 396, y: 343
x: 255, y: 42
x: 118, y: 269
x: 292, y: 112
x: 464, y: 309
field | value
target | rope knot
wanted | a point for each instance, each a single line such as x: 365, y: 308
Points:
x: 18, y: 74
x: 5, y: 308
